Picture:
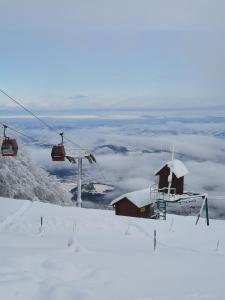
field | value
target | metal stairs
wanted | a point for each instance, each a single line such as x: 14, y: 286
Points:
x: 157, y: 197
x: 160, y: 209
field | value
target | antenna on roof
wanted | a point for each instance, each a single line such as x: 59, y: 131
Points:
x: 173, y: 152
x: 170, y: 177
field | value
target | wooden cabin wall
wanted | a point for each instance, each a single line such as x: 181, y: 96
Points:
x: 147, y: 211
x: 163, y: 177
x: 126, y: 208
x: 177, y: 183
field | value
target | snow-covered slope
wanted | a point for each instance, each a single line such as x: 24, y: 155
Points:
x: 109, y: 257
x: 20, y: 178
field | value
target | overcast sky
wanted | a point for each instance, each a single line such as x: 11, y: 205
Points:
x: 99, y: 53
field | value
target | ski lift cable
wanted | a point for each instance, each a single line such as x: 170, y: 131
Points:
x: 27, y: 110
x: 47, y: 125
x: 17, y: 131
x: 27, y: 136
x: 22, y: 134
x: 40, y: 120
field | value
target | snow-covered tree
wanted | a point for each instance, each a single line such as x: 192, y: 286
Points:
x: 21, y: 179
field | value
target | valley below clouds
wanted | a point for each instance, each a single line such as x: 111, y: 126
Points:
x: 131, y: 147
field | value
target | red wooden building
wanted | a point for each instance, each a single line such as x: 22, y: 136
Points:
x: 141, y: 203
x: 134, y: 204
x: 178, y: 170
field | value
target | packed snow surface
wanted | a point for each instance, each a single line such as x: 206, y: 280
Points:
x: 93, y: 254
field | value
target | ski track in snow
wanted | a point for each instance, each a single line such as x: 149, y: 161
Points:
x: 9, y: 220
x: 109, y: 258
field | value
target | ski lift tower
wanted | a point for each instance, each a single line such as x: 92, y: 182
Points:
x: 77, y: 157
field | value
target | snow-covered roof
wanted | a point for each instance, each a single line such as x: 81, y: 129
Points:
x: 139, y: 198
x: 178, y: 168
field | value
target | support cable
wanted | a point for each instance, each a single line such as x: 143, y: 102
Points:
x: 17, y: 131
x: 39, y: 119
x: 45, y: 124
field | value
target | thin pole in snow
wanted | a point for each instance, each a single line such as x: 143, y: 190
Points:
x: 204, y: 205
x: 207, y: 211
x: 171, y: 224
x: 72, y: 238
x: 217, y: 245
x: 79, y: 185
x: 41, y: 224
x: 154, y: 240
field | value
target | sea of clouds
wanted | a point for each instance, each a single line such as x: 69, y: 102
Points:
x: 130, y: 150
